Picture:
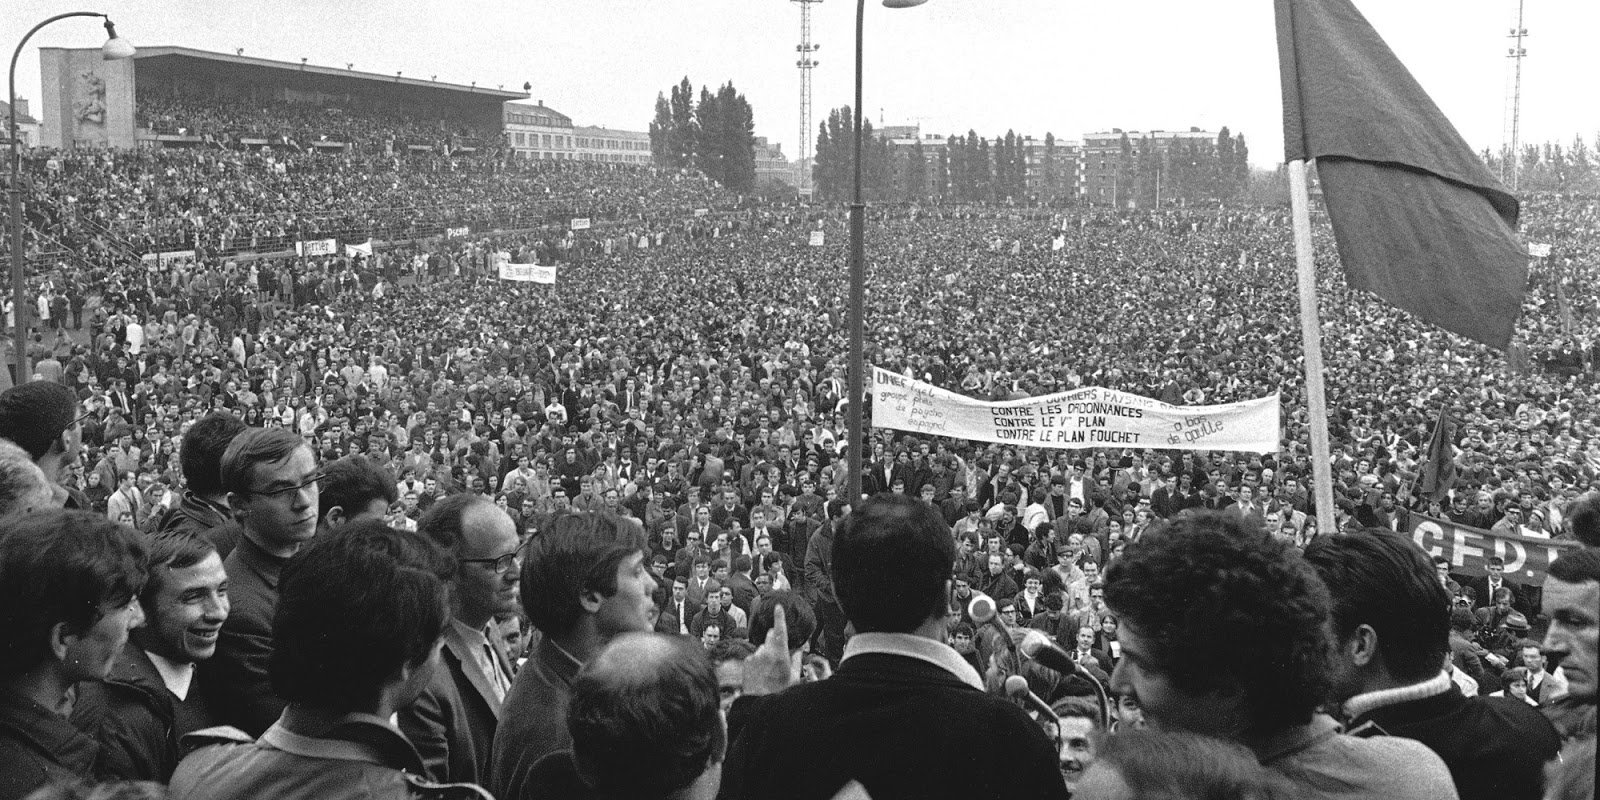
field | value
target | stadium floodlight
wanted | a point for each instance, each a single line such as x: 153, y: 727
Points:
x: 115, y: 49
x: 855, y: 417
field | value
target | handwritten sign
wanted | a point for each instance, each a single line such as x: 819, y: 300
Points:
x: 317, y: 247
x: 580, y: 223
x: 1079, y: 419
x: 162, y: 260
x: 531, y: 273
x: 817, y: 238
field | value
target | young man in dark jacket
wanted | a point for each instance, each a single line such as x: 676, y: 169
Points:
x: 69, y: 594
x: 1391, y: 626
x: 148, y: 701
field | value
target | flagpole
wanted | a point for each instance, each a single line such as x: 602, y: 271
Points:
x: 1311, y: 334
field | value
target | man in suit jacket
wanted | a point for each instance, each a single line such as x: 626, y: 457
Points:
x: 677, y: 610
x: 701, y: 583
x: 1484, y: 586
x: 577, y: 615
x: 741, y: 584
x: 901, y: 704
x: 453, y: 722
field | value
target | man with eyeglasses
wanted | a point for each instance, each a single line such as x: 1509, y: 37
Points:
x: 453, y: 723
x: 270, y: 475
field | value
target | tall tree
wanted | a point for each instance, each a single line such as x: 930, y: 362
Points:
x: 916, y: 176
x: 661, y: 130
x: 708, y: 156
x: 685, y: 134
x: 1048, y: 169
x: 734, y: 141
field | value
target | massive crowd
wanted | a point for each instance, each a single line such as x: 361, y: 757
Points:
x: 687, y: 370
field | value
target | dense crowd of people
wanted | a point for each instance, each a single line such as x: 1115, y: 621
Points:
x: 656, y: 443
x: 371, y: 128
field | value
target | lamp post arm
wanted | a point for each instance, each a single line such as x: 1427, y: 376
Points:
x: 18, y: 250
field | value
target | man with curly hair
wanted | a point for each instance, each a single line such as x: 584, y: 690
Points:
x: 1224, y: 632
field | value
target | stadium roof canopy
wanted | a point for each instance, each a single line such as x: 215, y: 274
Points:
x: 241, y: 69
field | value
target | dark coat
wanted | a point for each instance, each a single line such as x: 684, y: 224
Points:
x: 1495, y: 747
x: 39, y: 747
x: 234, y: 680
x: 195, y: 515
x: 533, y: 722
x: 902, y: 727
x: 452, y: 723
x: 137, y: 720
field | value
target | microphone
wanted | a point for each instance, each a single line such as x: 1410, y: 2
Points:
x: 1017, y: 689
x: 984, y: 611
x: 1038, y: 645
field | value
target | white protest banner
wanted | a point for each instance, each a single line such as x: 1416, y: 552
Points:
x: 700, y: 212
x: 317, y: 247
x: 458, y: 232
x: 1539, y: 250
x: 580, y: 223
x: 363, y: 249
x: 530, y: 273
x: 816, y: 238
x: 1081, y: 418
x: 161, y: 260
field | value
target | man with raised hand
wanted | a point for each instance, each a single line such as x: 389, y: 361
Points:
x: 902, y: 707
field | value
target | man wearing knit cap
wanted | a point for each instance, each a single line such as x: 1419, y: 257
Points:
x: 42, y: 418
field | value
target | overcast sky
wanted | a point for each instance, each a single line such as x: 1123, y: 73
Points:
x: 1031, y: 65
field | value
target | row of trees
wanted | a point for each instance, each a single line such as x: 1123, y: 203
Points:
x: 715, y: 135
x: 1550, y: 167
x: 971, y: 168
x: 1148, y: 172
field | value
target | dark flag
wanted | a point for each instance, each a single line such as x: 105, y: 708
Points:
x: 1418, y: 219
x: 1439, y: 471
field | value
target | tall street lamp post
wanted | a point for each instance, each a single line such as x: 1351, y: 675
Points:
x: 858, y: 282
x: 115, y: 48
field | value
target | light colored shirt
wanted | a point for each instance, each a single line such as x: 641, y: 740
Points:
x: 483, y: 656
x: 176, y: 676
x: 909, y: 645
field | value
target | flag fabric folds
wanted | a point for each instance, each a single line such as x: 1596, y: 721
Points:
x: 1439, y: 470
x: 1418, y: 218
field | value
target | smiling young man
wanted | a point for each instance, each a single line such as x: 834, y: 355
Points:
x: 1224, y: 632
x: 147, y: 703
x: 584, y: 581
x: 69, y: 595
x: 270, y: 476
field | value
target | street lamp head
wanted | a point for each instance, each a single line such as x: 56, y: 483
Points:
x: 116, y: 48
x: 903, y: 3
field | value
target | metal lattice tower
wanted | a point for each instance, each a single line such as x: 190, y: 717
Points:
x: 806, y: 63
x: 1510, y: 164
